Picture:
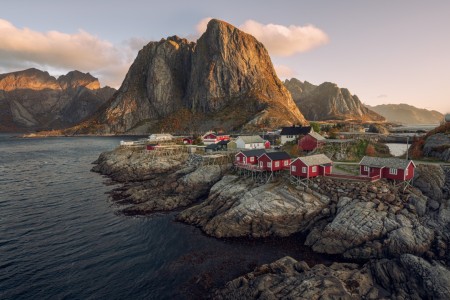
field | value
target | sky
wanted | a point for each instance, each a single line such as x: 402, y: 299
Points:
x: 383, y: 51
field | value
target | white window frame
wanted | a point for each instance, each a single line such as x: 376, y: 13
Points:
x: 277, y: 164
x: 392, y: 171
x: 286, y: 162
x: 261, y: 164
x: 314, y: 169
x: 293, y: 168
x: 406, y: 172
x: 366, y: 168
x: 303, y: 169
x: 269, y: 164
x: 238, y: 158
x: 252, y: 159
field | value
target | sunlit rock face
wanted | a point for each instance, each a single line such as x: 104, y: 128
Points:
x: 225, y: 79
x: 328, y: 102
x: 34, y: 100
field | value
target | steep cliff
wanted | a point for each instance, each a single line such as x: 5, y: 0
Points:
x: 34, y: 100
x: 328, y: 102
x: 407, y: 114
x: 224, y: 80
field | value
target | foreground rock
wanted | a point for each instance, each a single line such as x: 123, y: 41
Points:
x: 236, y: 207
x: 408, y: 277
x: 377, y: 220
x: 157, y: 183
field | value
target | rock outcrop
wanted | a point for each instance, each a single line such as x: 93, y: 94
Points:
x: 435, y: 144
x: 34, y: 100
x: 328, y: 102
x: 156, y: 183
x: 408, y: 277
x: 225, y: 79
x: 407, y: 114
x: 239, y: 208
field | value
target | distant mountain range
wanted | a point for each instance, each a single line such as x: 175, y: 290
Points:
x: 407, y: 114
x: 225, y: 80
x: 33, y: 100
x: 328, y: 102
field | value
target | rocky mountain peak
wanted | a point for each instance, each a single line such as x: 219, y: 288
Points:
x: 328, y: 101
x: 75, y: 79
x: 31, y: 79
x: 226, y: 75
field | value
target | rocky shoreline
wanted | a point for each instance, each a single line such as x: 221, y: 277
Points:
x: 391, y: 233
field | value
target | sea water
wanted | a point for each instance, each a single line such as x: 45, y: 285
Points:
x: 60, y: 237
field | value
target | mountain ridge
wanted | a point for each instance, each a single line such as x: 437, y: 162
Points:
x: 327, y: 101
x: 407, y: 114
x: 32, y: 99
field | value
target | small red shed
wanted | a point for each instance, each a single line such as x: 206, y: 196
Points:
x: 249, y: 157
x: 387, y: 167
x: 311, y: 141
x: 213, y: 138
x: 274, y: 161
x: 152, y: 146
x: 311, y: 166
x: 188, y: 141
x: 266, y: 145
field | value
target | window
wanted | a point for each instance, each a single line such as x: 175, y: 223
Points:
x: 238, y: 158
x: 393, y: 171
x: 277, y: 164
x: 314, y: 169
x: 294, y: 168
x: 261, y: 164
x: 366, y: 168
x: 286, y: 162
x: 303, y: 169
x: 252, y: 159
x: 406, y: 172
x: 269, y: 164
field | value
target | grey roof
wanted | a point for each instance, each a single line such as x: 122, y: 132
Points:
x: 255, y: 152
x: 278, y: 155
x: 316, y: 136
x: 316, y: 160
x: 296, y: 130
x: 388, y: 162
x: 250, y: 139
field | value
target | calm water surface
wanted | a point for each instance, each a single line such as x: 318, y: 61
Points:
x: 60, y: 237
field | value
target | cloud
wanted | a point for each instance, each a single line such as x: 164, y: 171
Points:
x: 284, y: 71
x: 286, y: 40
x: 278, y: 39
x: 24, y: 48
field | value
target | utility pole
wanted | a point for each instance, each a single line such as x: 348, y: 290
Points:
x: 407, y: 146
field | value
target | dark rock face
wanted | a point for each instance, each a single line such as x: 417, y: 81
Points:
x: 34, y: 100
x: 438, y: 145
x: 226, y: 79
x: 328, y: 102
x: 430, y: 179
x: 377, y: 128
x: 407, y: 114
x: 408, y: 277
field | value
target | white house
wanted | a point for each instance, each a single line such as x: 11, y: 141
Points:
x: 250, y: 142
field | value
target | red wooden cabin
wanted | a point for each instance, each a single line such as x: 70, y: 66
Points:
x: 390, y: 168
x: 311, y: 166
x: 311, y: 141
x: 274, y: 161
x: 213, y: 138
x: 188, y: 141
x: 249, y: 157
x: 266, y: 145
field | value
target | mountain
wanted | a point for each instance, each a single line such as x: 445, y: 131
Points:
x: 328, y: 102
x: 225, y: 80
x: 407, y: 114
x: 34, y: 100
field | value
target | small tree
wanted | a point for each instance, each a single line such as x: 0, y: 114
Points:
x: 370, y: 150
x: 315, y: 126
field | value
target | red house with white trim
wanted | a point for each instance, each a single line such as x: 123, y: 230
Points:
x: 311, y: 141
x: 387, y: 167
x: 213, y: 138
x: 274, y: 161
x: 249, y: 157
x: 311, y: 166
